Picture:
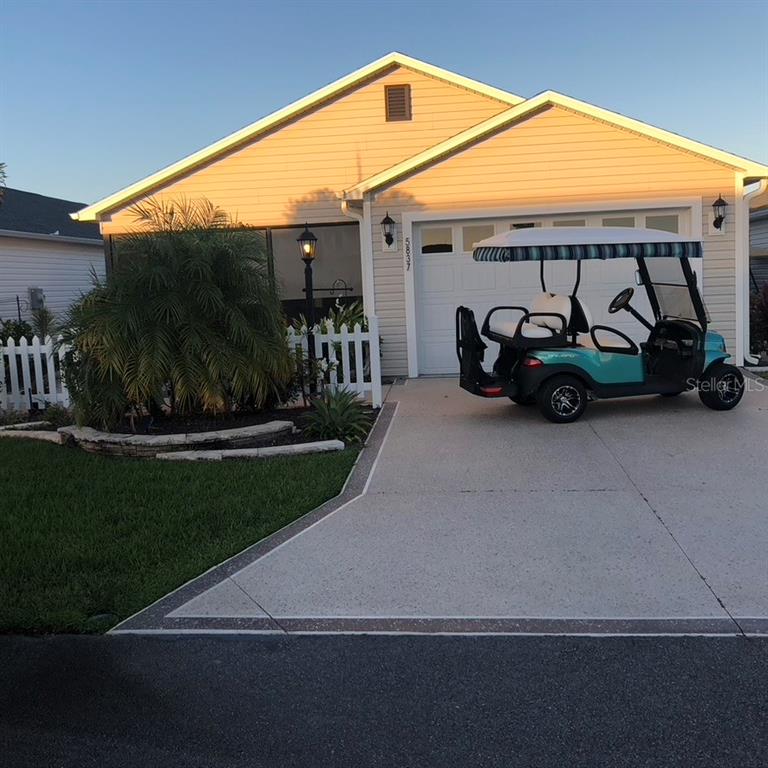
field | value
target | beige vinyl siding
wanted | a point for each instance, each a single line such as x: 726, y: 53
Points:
x: 758, y: 236
x: 62, y: 270
x: 556, y: 157
x: 297, y: 173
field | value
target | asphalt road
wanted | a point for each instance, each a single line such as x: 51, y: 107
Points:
x: 383, y: 701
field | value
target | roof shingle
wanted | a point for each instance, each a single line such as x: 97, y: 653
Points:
x: 28, y: 212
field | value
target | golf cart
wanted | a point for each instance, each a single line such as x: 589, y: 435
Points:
x: 551, y: 354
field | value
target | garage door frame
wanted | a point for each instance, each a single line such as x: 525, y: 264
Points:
x: 410, y: 251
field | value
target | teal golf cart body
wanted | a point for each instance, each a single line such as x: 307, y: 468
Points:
x: 553, y: 355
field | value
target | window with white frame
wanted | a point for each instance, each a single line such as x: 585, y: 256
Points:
x: 437, y: 239
x: 668, y: 222
x: 618, y: 221
x: 474, y: 233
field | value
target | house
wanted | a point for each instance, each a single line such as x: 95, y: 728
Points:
x: 758, y: 242
x: 45, y: 257
x: 451, y: 161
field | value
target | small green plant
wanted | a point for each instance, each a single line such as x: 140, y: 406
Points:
x: 340, y: 314
x: 57, y: 416
x: 43, y: 323
x: 338, y: 415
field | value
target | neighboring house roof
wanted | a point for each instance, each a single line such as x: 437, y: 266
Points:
x: 27, y: 213
x: 276, y: 119
x: 526, y: 109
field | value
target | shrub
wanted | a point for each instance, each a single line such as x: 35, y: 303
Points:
x: 188, y: 318
x: 97, y: 400
x: 57, y: 415
x: 15, y: 329
x: 758, y: 319
x: 338, y: 415
x: 13, y: 417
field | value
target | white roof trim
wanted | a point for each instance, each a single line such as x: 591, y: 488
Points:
x: 94, y: 211
x: 52, y: 238
x: 539, y: 102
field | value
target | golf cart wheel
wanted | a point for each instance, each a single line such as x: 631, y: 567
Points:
x: 562, y: 399
x: 722, y: 387
x: 520, y: 400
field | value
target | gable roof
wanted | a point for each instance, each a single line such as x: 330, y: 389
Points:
x: 254, y: 130
x: 31, y: 213
x: 526, y: 109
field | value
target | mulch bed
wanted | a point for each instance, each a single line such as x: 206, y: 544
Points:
x: 169, y: 425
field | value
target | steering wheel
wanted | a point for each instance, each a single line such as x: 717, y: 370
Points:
x: 621, y: 301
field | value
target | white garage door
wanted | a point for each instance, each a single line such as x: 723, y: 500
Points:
x: 446, y: 276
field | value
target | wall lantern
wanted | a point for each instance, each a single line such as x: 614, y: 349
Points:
x: 719, y: 208
x: 388, y: 229
x: 307, y: 244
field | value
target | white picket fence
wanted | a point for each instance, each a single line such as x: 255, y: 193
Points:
x: 30, y: 375
x: 354, y: 362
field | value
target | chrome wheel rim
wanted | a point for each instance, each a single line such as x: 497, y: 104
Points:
x: 566, y: 400
x: 728, y: 388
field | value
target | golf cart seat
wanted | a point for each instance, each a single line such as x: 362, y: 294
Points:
x: 516, y: 325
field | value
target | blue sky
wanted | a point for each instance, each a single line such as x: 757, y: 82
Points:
x: 95, y: 95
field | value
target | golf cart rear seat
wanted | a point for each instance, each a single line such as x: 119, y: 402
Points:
x: 544, y: 325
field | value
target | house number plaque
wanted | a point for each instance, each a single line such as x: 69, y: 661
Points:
x: 407, y: 254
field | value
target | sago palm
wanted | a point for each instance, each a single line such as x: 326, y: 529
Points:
x: 189, y: 308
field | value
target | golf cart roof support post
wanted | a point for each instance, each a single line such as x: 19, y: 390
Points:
x: 541, y: 276
x: 651, y: 293
x: 693, y: 289
x: 578, y: 277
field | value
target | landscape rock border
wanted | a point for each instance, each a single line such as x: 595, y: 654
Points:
x: 295, y: 449
x: 149, y: 446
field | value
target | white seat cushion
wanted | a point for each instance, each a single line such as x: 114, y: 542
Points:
x: 551, y: 302
x: 531, y: 331
x: 508, y: 327
x: 606, y: 340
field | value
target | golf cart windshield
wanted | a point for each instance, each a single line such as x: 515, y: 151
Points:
x: 669, y: 283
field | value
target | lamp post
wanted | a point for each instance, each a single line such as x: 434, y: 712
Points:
x: 307, y: 248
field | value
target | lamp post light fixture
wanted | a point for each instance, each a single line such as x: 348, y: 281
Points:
x: 388, y: 229
x: 308, y: 248
x: 719, y: 208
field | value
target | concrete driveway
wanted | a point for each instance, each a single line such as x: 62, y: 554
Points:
x: 648, y: 515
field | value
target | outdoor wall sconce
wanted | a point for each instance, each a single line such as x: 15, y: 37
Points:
x: 388, y: 230
x: 719, y: 208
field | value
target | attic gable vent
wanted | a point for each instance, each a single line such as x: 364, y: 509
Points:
x: 397, y: 99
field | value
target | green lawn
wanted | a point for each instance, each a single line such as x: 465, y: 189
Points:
x: 83, y: 535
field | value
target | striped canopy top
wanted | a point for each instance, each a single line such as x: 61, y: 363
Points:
x: 575, y: 243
